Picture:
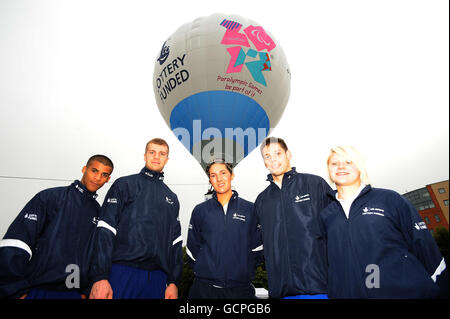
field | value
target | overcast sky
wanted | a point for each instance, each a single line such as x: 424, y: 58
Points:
x: 76, y: 80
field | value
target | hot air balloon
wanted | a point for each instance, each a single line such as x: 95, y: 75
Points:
x: 221, y: 84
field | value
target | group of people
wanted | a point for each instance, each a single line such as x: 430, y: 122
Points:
x: 353, y: 242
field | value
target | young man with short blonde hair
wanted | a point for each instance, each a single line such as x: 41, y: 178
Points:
x: 138, y: 252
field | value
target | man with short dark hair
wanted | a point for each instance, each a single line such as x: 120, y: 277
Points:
x: 138, y: 252
x: 46, y: 251
x: 288, y: 209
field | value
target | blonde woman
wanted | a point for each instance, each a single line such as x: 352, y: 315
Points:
x: 378, y: 246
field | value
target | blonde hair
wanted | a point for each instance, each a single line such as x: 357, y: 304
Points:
x: 352, y: 154
x: 157, y: 141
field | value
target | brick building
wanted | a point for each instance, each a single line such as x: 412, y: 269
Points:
x: 432, y: 203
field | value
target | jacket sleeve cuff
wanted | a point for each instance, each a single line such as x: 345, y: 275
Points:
x: 98, y: 278
x: 171, y: 280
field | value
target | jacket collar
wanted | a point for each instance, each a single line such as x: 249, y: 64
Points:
x: 332, y: 193
x: 83, y: 190
x: 287, y: 175
x: 234, y: 196
x: 159, y: 176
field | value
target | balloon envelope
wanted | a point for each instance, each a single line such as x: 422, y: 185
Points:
x: 221, y: 84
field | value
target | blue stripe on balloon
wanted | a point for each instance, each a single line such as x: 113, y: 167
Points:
x: 220, y: 109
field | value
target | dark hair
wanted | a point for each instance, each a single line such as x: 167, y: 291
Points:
x: 157, y: 141
x: 100, y: 158
x: 270, y: 140
x: 219, y: 161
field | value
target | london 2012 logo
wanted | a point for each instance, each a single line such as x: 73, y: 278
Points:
x: 260, y: 39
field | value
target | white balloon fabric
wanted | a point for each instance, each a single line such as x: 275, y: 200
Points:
x: 221, y: 84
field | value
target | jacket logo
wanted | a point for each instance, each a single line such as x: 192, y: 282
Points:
x: 420, y: 225
x: 112, y: 200
x: 161, y: 178
x: 79, y: 189
x: 95, y: 220
x: 373, y: 211
x: 302, y: 198
x: 239, y: 217
x: 169, y: 201
x: 31, y: 216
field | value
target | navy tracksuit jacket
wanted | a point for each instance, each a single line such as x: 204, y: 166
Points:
x: 139, y: 227
x: 294, y: 247
x: 224, y: 247
x: 53, y: 231
x: 383, y: 250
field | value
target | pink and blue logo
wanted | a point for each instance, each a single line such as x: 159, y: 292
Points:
x: 260, y: 39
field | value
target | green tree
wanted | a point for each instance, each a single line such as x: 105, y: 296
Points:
x: 260, y: 280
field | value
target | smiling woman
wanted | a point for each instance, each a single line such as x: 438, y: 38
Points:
x: 220, y: 177
x: 382, y: 227
x: 346, y: 168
